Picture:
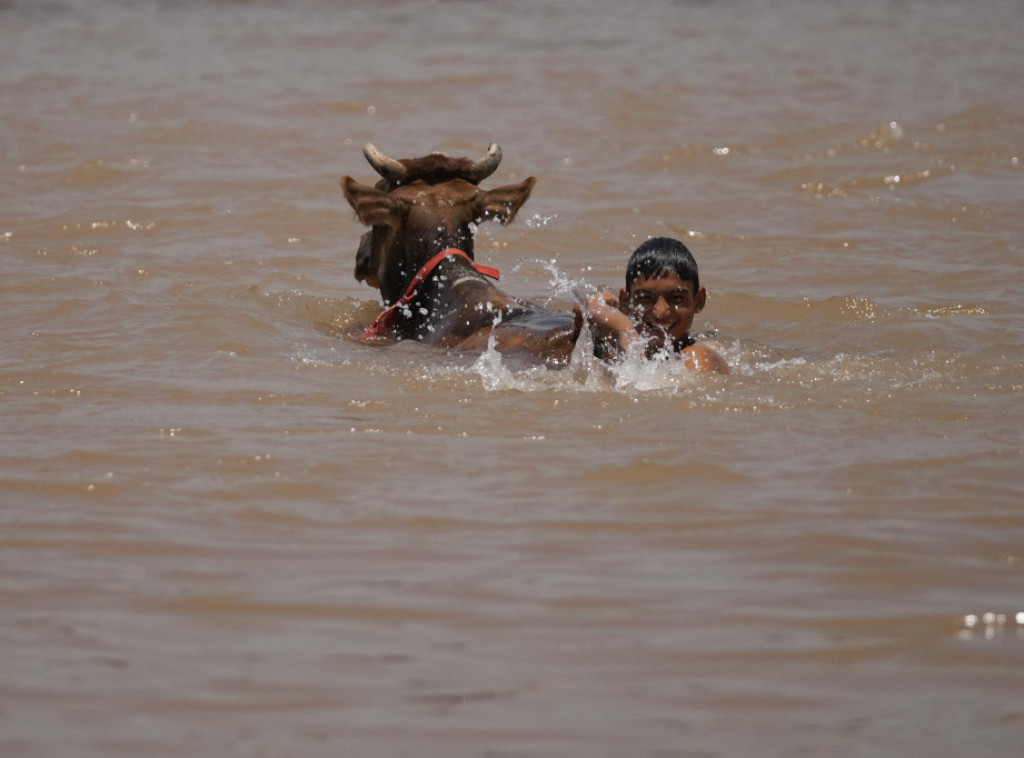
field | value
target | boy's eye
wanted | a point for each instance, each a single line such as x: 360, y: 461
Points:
x: 673, y: 299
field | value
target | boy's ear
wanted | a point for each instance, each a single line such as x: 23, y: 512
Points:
x: 372, y: 206
x: 700, y: 299
x: 502, y: 203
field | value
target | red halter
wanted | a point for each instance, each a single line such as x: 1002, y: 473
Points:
x: 376, y: 333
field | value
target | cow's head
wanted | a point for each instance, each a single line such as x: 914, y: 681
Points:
x: 422, y: 206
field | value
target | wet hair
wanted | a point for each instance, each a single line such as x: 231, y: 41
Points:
x: 662, y: 256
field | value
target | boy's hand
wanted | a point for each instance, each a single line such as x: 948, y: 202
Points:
x: 603, y: 308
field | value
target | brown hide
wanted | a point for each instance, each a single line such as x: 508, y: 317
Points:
x: 423, y: 206
x: 436, y: 168
x: 418, y: 219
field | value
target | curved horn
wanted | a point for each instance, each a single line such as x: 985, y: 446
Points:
x: 389, y: 168
x: 486, y: 166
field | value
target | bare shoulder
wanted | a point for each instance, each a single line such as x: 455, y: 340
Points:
x: 700, y: 357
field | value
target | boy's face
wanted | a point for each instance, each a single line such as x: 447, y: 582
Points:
x: 663, y: 309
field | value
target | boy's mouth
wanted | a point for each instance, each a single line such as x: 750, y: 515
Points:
x: 658, y: 329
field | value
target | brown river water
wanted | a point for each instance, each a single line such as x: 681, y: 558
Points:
x: 229, y: 529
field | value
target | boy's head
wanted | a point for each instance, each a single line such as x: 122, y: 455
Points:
x: 660, y: 256
x: 662, y: 293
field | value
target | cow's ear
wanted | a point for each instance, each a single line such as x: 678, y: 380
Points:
x: 502, y: 203
x: 372, y: 206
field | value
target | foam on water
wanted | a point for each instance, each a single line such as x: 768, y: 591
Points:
x: 779, y: 378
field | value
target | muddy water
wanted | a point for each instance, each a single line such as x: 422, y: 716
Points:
x: 228, y: 529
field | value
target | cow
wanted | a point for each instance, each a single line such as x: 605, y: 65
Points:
x: 419, y: 254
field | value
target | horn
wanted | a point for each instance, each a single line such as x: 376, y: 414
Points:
x: 389, y: 168
x: 486, y: 166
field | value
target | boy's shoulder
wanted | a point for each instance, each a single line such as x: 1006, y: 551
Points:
x: 703, y: 358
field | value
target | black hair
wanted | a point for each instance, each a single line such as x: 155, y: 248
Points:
x: 661, y: 256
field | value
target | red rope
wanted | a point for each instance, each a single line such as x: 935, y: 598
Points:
x: 377, y: 332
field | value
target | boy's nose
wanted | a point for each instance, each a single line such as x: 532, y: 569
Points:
x: 661, y: 308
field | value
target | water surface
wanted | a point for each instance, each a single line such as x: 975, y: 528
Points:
x: 228, y: 529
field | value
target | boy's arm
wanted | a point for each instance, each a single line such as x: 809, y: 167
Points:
x: 612, y: 323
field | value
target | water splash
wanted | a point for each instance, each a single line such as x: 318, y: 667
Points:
x: 763, y: 377
x: 638, y: 373
x: 537, y: 220
x: 585, y: 372
x: 560, y: 283
x: 494, y: 375
x: 497, y: 375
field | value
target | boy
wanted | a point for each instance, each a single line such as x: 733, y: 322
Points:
x: 655, y: 311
